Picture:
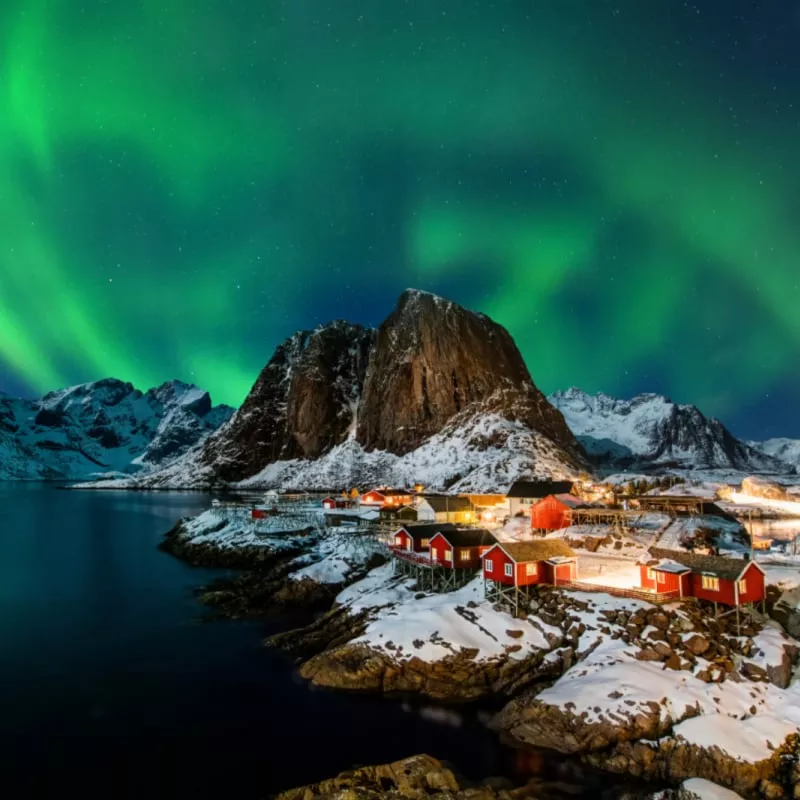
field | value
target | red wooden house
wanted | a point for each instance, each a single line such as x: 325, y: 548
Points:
x: 718, y: 579
x: 380, y: 498
x: 552, y: 513
x: 550, y: 561
x: 461, y: 548
x: 258, y: 513
x: 417, y: 538
x: 667, y: 576
x: 331, y: 503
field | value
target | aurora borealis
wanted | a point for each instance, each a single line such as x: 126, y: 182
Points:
x: 186, y: 183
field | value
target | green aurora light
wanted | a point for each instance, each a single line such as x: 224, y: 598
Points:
x: 186, y: 183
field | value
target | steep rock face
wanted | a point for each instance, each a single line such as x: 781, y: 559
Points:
x: 303, y: 403
x: 652, y: 429
x: 108, y: 425
x: 432, y: 360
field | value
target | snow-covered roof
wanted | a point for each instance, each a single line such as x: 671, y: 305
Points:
x: 671, y: 566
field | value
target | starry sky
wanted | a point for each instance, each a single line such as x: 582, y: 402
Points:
x: 186, y: 183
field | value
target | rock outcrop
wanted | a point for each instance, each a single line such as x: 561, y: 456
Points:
x: 416, y: 778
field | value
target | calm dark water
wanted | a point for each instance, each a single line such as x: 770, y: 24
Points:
x: 109, y: 685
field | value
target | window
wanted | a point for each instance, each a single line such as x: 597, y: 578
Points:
x: 425, y: 542
x: 651, y: 574
x: 434, y: 553
x: 464, y: 555
x: 711, y: 583
x: 398, y: 540
x: 448, y: 555
x: 661, y: 577
x: 530, y: 569
x: 489, y: 565
x: 509, y: 570
x: 742, y: 586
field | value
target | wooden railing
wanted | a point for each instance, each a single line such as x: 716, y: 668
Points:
x: 423, y: 559
x: 619, y: 591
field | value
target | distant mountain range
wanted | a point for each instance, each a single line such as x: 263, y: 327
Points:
x: 437, y: 394
x: 101, y: 427
x: 650, y: 431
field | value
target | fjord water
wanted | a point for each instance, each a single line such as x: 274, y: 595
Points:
x: 110, y: 684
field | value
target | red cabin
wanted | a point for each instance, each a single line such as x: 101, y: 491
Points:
x: 331, y: 503
x: 550, y: 561
x: 718, y: 579
x: 417, y: 538
x: 258, y: 513
x: 382, y: 498
x: 667, y: 576
x: 461, y: 548
x: 553, y: 512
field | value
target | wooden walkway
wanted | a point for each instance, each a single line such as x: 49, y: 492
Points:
x: 637, y: 594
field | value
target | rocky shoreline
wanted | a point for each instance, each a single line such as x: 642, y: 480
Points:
x: 621, y: 685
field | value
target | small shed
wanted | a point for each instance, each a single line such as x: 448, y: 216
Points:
x: 526, y: 563
x: 445, y: 508
x: 667, y: 576
x: 523, y: 494
x: 553, y: 512
x: 461, y: 548
x: 258, y: 513
x: 417, y: 538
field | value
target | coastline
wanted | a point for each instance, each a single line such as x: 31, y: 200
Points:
x: 380, y: 636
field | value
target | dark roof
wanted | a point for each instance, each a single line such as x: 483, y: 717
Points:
x: 722, y: 566
x: 428, y: 531
x: 539, y: 488
x: 439, y: 502
x: 392, y: 492
x: 539, y: 550
x: 469, y: 537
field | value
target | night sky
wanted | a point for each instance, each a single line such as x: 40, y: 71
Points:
x: 185, y: 183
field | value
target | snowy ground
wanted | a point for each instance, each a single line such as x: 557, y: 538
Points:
x: 335, y: 557
x: 227, y: 529
x: 743, y: 719
x: 438, y: 625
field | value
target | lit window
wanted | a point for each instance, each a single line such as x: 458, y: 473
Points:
x: 530, y: 569
x: 489, y: 565
x: 398, y: 540
x: 425, y: 542
x: 434, y: 553
x: 448, y: 555
x: 651, y: 574
x: 742, y: 586
x: 711, y: 583
x: 661, y: 577
x: 509, y: 570
x: 464, y: 555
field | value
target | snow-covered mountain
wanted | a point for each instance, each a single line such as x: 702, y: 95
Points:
x: 437, y: 394
x: 105, y: 426
x: 787, y: 450
x: 652, y: 430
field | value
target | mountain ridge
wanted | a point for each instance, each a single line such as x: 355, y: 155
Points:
x: 102, y: 426
x: 652, y: 430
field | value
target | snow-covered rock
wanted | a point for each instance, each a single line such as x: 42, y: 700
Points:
x: 101, y: 427
x: 651, y: 429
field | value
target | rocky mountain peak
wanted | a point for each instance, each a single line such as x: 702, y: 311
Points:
x: 303, y: 403
x: 432, y: 360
